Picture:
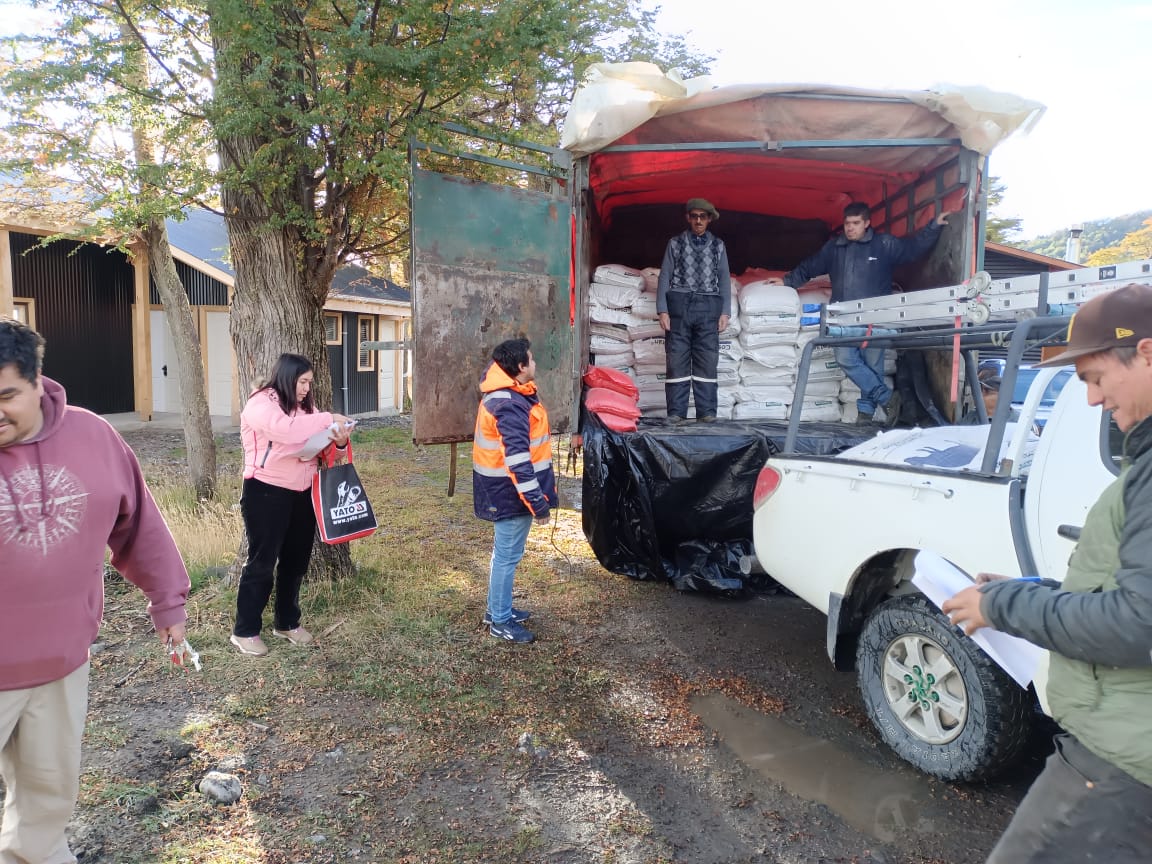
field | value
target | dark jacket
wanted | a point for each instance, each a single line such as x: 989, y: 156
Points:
x: 1098, y: 624
x: 511, y: 451
x: 863, y: 268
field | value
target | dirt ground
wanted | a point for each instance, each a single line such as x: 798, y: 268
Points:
x: 721, y: 734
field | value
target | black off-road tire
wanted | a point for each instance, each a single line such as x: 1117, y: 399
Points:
x: 995, y: 730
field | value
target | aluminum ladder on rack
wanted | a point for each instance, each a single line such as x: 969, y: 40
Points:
x: 982, y: 300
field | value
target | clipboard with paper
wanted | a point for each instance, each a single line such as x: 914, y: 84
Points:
x: 315, y: 445
x: 939, y: 579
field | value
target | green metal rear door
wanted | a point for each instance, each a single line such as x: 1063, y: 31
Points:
x: 489, y: 263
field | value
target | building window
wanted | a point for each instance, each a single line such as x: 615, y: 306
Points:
x: 24, y: 311
x: 333, y: 329
x: 366, y: 330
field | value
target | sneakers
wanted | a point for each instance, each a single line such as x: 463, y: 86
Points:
x: 518, y: 615
x: 297, y: 636
x: 251, y: 645
x: 510, y: 631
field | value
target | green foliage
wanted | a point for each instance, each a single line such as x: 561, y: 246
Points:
x: 329, y: 93
x: 1136, y: 246
x: 315, y: 105
x: 76, y: 97
x: 999, y: 229
x: 1097, y: 235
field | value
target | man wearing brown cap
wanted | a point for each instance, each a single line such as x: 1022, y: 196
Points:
x: 694, y: 302
x: 1093, y: 801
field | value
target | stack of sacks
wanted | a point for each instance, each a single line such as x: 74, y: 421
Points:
x: 614, y: 290
x: 651, y: 279
x: 769, y: 322
x: 612, y: 397
x: 651, y: 367
x: 821, y: 393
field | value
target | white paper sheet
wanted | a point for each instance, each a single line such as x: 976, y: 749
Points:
x: 939, y: 579
x: 320, y: 440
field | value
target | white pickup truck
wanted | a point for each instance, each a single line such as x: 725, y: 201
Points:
x: 842, y: 531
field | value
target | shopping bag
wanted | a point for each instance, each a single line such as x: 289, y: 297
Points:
x: 342, y: 509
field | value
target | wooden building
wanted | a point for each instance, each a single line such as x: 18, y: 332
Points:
x: 108, y: 340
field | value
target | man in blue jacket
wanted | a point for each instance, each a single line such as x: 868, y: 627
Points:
x: 860, y: 263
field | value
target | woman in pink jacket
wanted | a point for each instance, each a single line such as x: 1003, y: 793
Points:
x: 276, y: 501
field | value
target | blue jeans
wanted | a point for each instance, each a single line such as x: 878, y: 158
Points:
x: 865, y: 367
x: 510, y: 535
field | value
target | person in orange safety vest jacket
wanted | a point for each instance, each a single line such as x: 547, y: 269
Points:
x: 513, y: 483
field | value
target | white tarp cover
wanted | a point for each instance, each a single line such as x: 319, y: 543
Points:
x: 637, y: 104
x: 616, y: 99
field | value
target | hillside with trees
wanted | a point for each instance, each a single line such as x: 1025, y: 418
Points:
x: 1098, y: 235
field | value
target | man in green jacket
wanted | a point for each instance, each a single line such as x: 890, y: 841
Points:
x: 1093, y: 801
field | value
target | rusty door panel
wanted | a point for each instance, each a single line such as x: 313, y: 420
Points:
x: 488, y: 263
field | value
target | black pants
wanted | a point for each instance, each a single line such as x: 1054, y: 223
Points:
x: 692, y: 349
x: 1081, y: 808
x: 280, y: 525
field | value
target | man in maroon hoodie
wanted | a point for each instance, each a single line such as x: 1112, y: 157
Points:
x: 69, y: 488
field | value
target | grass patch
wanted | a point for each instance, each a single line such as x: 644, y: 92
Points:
x: 403, y: 676
x: 107, y: 736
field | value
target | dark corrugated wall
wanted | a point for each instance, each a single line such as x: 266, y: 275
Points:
x: 335, y: 365
x: 1001, y: 266
x: 83, y: 295
x: 202, y: 290
x: 363, y: 387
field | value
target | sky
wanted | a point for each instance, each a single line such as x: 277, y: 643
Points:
x: 1089, y: 157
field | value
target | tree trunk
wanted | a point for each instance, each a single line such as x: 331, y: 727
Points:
x: 276, y: 307
x: 189, y: 362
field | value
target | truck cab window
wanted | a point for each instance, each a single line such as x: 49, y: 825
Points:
x: 1111, y: 442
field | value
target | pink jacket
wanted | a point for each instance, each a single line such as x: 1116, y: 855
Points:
x: 66, y: 495
x: 272, y: 438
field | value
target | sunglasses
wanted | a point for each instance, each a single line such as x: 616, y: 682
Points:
x: 696, y: 217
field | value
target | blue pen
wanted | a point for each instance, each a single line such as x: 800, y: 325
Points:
x: 1031, y: 578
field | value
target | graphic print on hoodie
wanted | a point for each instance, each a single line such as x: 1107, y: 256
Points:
x: 68, y: 494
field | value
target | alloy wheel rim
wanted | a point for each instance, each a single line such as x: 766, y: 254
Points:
x: 924, y: 688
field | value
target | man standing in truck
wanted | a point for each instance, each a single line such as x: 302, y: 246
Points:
x: 1093, y: 801
x: 694, y: 302
x: 860, y: 263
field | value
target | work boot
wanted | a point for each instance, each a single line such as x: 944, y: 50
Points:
x: 674, y: 420
x: 707, y: 418
x: 892, y: 409
x: 863, y: 419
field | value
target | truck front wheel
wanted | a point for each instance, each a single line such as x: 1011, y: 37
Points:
x: 938, y: 700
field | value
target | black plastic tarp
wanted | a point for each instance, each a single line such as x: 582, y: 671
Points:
x: 676, y: 503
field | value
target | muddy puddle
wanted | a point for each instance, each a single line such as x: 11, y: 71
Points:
x: 881, y: 803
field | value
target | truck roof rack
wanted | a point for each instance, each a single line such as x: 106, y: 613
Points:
x: 983, y: 300
x: 1003, y: 312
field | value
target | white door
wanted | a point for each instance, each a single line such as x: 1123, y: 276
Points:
x: 1068, y: 474
x: 219, y: 361
x: 387, y: 361
x: 165, y: 381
